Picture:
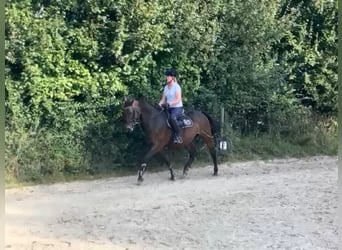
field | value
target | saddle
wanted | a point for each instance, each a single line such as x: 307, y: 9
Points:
x: 183, y: 121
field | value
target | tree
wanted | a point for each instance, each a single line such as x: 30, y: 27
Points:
x: 308, y: 51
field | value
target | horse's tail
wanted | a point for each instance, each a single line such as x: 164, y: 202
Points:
x: 214, y: 125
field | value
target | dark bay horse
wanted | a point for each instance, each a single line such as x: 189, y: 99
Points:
x: 153, y: 121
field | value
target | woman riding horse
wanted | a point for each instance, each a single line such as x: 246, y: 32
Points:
x: 154, y: 123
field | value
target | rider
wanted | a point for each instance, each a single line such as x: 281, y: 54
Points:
x: 172, y: 100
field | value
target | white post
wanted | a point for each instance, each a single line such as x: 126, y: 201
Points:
x: 223, y: 143
x: 222, y: 119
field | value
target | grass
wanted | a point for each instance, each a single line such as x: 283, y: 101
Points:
x: 11, y: 182
x: 266, y: 147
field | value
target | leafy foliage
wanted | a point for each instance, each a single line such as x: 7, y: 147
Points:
x: 308, y: 52
x: 69, y: 65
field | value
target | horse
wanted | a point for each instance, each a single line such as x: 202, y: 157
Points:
x: 154, y: 122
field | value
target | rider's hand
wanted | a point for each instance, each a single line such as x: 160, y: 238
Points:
x: 165, y: 105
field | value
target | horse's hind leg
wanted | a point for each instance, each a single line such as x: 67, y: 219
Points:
x: 192, y: 152
x: 214, y: 158
x: 211, y: 146
x: 167, y: 162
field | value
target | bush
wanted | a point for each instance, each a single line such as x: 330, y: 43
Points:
x: 32, y: 157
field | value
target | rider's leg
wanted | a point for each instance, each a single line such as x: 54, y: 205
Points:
x: 174, y: 113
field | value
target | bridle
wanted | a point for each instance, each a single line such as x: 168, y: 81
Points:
x: 135, y: 112
x: 135, y: 115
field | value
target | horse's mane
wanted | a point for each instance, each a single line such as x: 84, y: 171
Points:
x: 146, y: 104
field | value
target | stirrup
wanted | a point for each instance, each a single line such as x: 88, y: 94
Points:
x: 178, y: 140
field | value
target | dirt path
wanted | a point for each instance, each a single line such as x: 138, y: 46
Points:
x: 280, y: 204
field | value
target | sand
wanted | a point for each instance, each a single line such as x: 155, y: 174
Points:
x: 277, y: 204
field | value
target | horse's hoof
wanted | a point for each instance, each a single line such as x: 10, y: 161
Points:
x: 140, y: 180
x: 172, y: 178
x: 215, y: 174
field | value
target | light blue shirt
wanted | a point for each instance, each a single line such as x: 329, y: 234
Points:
x: 170, y: 94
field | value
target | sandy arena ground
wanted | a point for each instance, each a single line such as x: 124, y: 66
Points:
x: 279, y: 204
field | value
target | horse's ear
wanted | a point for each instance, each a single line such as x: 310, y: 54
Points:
x: 128, y: 100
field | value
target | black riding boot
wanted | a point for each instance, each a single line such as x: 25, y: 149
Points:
x: 176, y: 129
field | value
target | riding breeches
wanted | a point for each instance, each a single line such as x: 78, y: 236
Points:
x: 175, y: 112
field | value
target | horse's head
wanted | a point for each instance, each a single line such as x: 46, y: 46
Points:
x: 131, y: 113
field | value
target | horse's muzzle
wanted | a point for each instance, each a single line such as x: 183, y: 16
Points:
x: 130, y: 128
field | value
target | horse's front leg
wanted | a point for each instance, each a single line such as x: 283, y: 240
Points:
x: 143, y: 164
x: 141, y: 172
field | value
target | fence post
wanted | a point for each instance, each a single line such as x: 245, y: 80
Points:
x: 223, y: 146
x: 222, y: 119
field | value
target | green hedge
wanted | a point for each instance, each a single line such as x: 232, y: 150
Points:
x: 69, y: 65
